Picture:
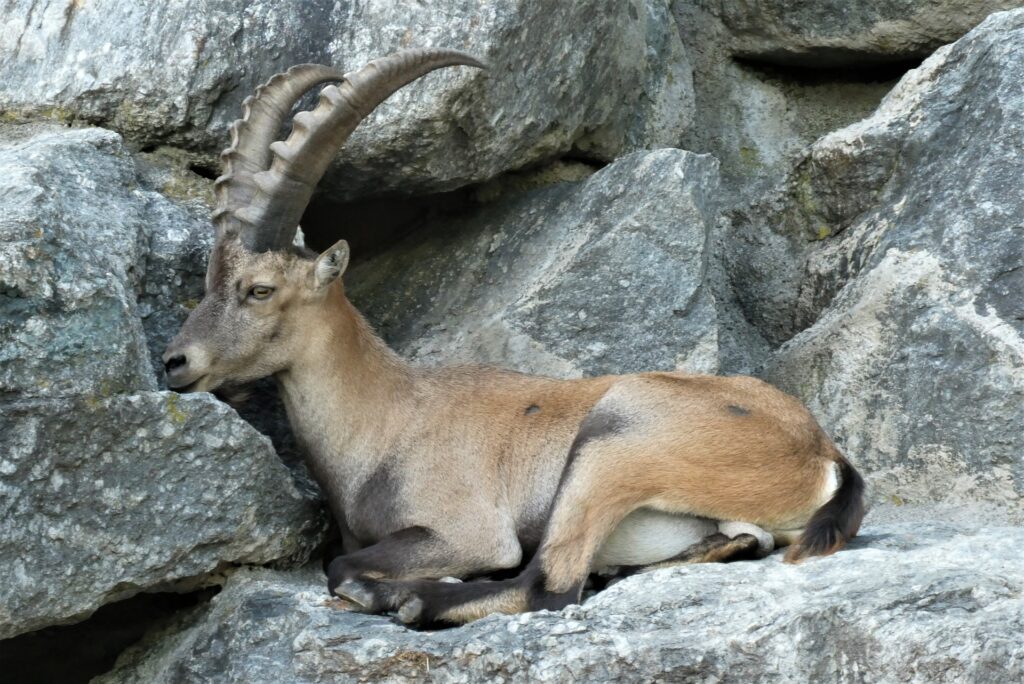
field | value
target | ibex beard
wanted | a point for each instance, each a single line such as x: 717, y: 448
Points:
x: 467, y: 470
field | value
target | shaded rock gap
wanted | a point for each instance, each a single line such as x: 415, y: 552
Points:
x: 860, y: 71
x: 73, y: 654
x: 376, y: 224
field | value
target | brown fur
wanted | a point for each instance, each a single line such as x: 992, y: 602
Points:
x: 452, y: 472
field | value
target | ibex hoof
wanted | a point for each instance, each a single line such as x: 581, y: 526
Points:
x: 358, y: 593
x: 411, y: 611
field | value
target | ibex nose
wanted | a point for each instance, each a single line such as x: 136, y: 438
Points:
x: 176, y: 367
x: 175, y: 362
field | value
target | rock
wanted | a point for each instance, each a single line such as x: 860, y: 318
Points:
x: 108, y: 488
x: 96, y: 272
x: 759, y: 117
x: 597, y: 276
x: 914, y: 359
x: 828, y: 33
x: 913, y: 602
x: 70, y: 261
x: 103, y: 499
x: 595, y: 77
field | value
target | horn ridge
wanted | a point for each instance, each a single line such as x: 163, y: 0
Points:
x: 263, y: 113
x: 297, y: 164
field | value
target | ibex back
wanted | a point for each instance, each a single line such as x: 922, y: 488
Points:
x: 462, y: 471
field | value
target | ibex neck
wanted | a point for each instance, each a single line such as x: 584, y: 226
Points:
x: 344, y: 388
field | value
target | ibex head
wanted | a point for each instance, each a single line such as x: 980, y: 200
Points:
x: 259, y: 287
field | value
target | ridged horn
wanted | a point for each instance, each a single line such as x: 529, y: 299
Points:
x: 281, y: 192
x: 262, y: 116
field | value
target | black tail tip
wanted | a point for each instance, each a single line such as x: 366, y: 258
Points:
x: 836, y: 522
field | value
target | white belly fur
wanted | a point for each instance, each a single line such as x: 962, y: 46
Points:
x: 648, y: 536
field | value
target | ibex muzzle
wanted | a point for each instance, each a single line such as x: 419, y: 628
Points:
x: 466, y: 470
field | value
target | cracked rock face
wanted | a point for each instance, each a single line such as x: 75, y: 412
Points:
x: 102, y: 499
x: 911, y: 601
x: 600, y: 77
x: 840, y: 32
x: 107, y: 487
x: 605, y: 275
x: 914, y: 357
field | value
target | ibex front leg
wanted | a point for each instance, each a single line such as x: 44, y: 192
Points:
x: 412, y: 553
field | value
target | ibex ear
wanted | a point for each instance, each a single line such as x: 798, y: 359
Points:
x: 331, y: 264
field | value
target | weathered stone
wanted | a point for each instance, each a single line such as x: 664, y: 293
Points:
x: 916, y: 359
x: 602, y: 275
x: 825, y: 33
x: 599, y: 77
x: 89, y: 250
x: 758, y: 118
x: 72, y: 241
x: 910, y: 602
x: 106, y: 491
x: 102, y: 499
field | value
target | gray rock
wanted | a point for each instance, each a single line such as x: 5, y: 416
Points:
x: 827, y: 33
x: 909, y: 602
x: 177, y: 247
x: 598, y: 276
x: 758, y: 118
x: 914, y: 359
x: 599, y: 77
x: 96, y: 262
x: 106, y: 487
x: 72, y: 241
x: 102, y: 499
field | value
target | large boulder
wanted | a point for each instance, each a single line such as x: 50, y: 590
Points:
x: 602, y: 275
x: 771, y: 77
x: 73, y: 244
x: 598, y: 77
x: 904, y: 289
x: 909, y: 602
x: 102, y: 499
x: 107, y: 487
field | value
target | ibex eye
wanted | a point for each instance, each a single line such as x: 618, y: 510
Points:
x: 260, y: 291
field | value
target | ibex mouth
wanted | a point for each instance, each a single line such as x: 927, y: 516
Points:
x: 190, y: 387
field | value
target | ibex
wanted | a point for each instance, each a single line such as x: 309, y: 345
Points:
x: 463, y: 471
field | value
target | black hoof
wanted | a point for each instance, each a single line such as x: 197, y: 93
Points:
x: 358, y: 593
x: 411, y: 612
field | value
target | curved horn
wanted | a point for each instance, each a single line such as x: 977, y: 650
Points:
x: 251, y: 136
x: 272, y: 214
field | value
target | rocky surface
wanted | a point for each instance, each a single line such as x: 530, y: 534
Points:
x: 869, y: 263
x: 602, y: 275
x: 830, y: 33
x: 94, y: 273
x: 599, y: 77
x: 102, y: 499
x: 911, y: 348
x: 770, y: 78
x: 107, y: 487
x: 70, y: 262
x: 911, y: 602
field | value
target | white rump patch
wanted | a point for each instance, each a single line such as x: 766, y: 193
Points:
x: 831, y: 483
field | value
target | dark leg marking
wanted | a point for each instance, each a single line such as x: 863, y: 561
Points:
x: 391, y: 557
x: 715, y: 548
x: 431, y: 604
x: 598, y: 424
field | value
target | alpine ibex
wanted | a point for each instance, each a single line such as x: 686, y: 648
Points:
x: 462, y: 471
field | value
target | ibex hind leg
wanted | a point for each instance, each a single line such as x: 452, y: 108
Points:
x: 717, y: 548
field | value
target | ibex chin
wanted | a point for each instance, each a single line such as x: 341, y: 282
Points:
x: 463, y: 471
